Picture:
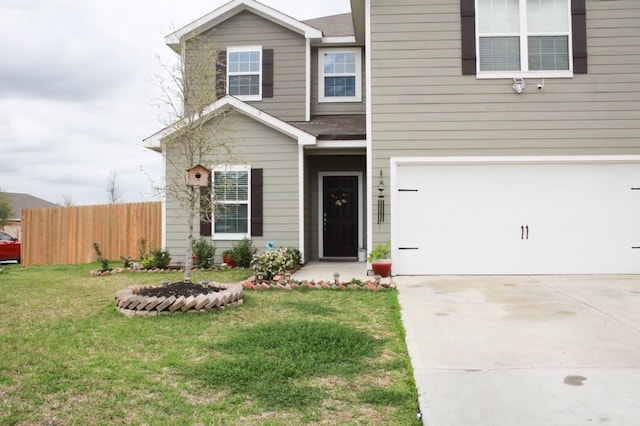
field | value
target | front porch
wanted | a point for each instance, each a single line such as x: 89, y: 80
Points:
x: 335, y: 207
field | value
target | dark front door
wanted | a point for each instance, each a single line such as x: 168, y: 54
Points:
x: 340, y: 216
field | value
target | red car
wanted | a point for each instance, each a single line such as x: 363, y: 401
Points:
x: 9, y: 247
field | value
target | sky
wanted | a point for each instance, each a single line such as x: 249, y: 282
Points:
x: 78, y: 92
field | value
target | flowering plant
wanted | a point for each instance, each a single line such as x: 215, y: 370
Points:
x: 275, y: 262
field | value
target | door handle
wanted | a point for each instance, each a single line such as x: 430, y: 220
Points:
x: 527, y: 229
x: 324, y: 221
x: 522, y: 232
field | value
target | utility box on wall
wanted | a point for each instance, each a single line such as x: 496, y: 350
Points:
x: 198, y: 176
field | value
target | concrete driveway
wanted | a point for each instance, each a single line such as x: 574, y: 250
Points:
x: 526, y: 350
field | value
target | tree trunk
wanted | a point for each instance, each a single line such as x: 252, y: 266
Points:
x: 190, y: 222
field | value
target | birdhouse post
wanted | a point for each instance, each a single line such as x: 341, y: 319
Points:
x: 198, y: 176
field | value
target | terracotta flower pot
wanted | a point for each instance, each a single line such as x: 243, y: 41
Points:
x: 381, y: 267
x: 226, y: 258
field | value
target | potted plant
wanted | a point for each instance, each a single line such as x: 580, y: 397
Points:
x: 378, y: 259
x: 227, y: 257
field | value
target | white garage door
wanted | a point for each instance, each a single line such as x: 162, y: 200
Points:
x: 517, y: 218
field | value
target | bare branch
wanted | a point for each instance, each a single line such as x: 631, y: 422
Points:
x: 188, y: 87
x: 113, y: 188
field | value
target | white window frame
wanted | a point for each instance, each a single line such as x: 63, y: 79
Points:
x: 237, y: 49
x: 524, y: 49
x: 358, y: 75
x: 224, y: 236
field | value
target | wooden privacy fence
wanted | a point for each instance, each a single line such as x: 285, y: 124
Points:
x: 65, y: 235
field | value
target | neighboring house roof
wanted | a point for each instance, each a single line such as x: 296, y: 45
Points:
x: 334, y: 26
x: 20, y: 201
x: 231, y: 9
x: 154, y: 142
x: 335, y: 127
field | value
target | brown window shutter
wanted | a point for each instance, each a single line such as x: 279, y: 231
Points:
x: 221, y: 73
x: 579, y: 33
x: 267, y: 73
x: 256, y: 203
x: 468, y: 30
x: 205, y: 211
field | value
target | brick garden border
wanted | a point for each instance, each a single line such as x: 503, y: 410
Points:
x: 130, y: 303
x: 283, y: 283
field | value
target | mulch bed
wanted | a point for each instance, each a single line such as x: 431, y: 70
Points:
x: 178, y: 289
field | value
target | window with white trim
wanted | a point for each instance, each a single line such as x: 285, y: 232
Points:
x: 244, y: 72
x: 232, y: 192
x: 526, y: 38
x: 339, y: 75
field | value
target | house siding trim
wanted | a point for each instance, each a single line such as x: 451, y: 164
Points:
x: 369, y: 125
x: 301, y: 200
x: 227, y: 11
x: 307, y: 93
x: 303, y: 138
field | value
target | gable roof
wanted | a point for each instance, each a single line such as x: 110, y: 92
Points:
x: 21, y: 201
x: 154, y: 142
x: 231, y: 9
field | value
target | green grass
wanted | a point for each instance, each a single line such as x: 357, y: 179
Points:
x: 302, y: 357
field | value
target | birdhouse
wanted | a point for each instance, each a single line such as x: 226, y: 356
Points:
x: 198, y: 175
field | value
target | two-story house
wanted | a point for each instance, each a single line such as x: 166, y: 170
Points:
x: 478, y: 136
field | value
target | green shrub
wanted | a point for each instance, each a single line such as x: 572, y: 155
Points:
x: 147, y: 263
x: 204, y: 252
x: 126, y: 261
x: 275, y: 262
x: 104, y: 262
x: 159, y: 258
x: 243, y: 252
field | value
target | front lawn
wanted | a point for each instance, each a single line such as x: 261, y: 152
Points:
x: 299, y: 357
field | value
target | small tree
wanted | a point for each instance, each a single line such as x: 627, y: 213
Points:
x: 6, y: 210
x: 113, y: 188
x: 195, y: 134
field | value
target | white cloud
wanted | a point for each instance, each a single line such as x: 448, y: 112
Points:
x: 75, y: 97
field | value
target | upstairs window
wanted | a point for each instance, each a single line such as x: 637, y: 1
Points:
x: 339, y: 75
x: 232, y: 194
x: 244, y: 72
x: 523, y: 38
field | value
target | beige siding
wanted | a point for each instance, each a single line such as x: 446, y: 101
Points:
x: 423, y: 106
x: 289, y: 86
x: 257, y: 146
x: 334, y: 108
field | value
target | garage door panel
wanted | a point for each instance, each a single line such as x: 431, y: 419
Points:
x: 471, y: 218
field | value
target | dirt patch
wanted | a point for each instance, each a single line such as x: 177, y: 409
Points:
x: 178, y: 289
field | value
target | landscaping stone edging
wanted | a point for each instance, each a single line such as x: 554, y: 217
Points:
x: 130, y: 303
x: 281, y: 283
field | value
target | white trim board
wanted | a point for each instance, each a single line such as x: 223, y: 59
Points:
x: 221, y: 14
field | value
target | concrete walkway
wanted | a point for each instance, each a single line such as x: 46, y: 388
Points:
x: 323, y: 271
x: 507, y: 351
